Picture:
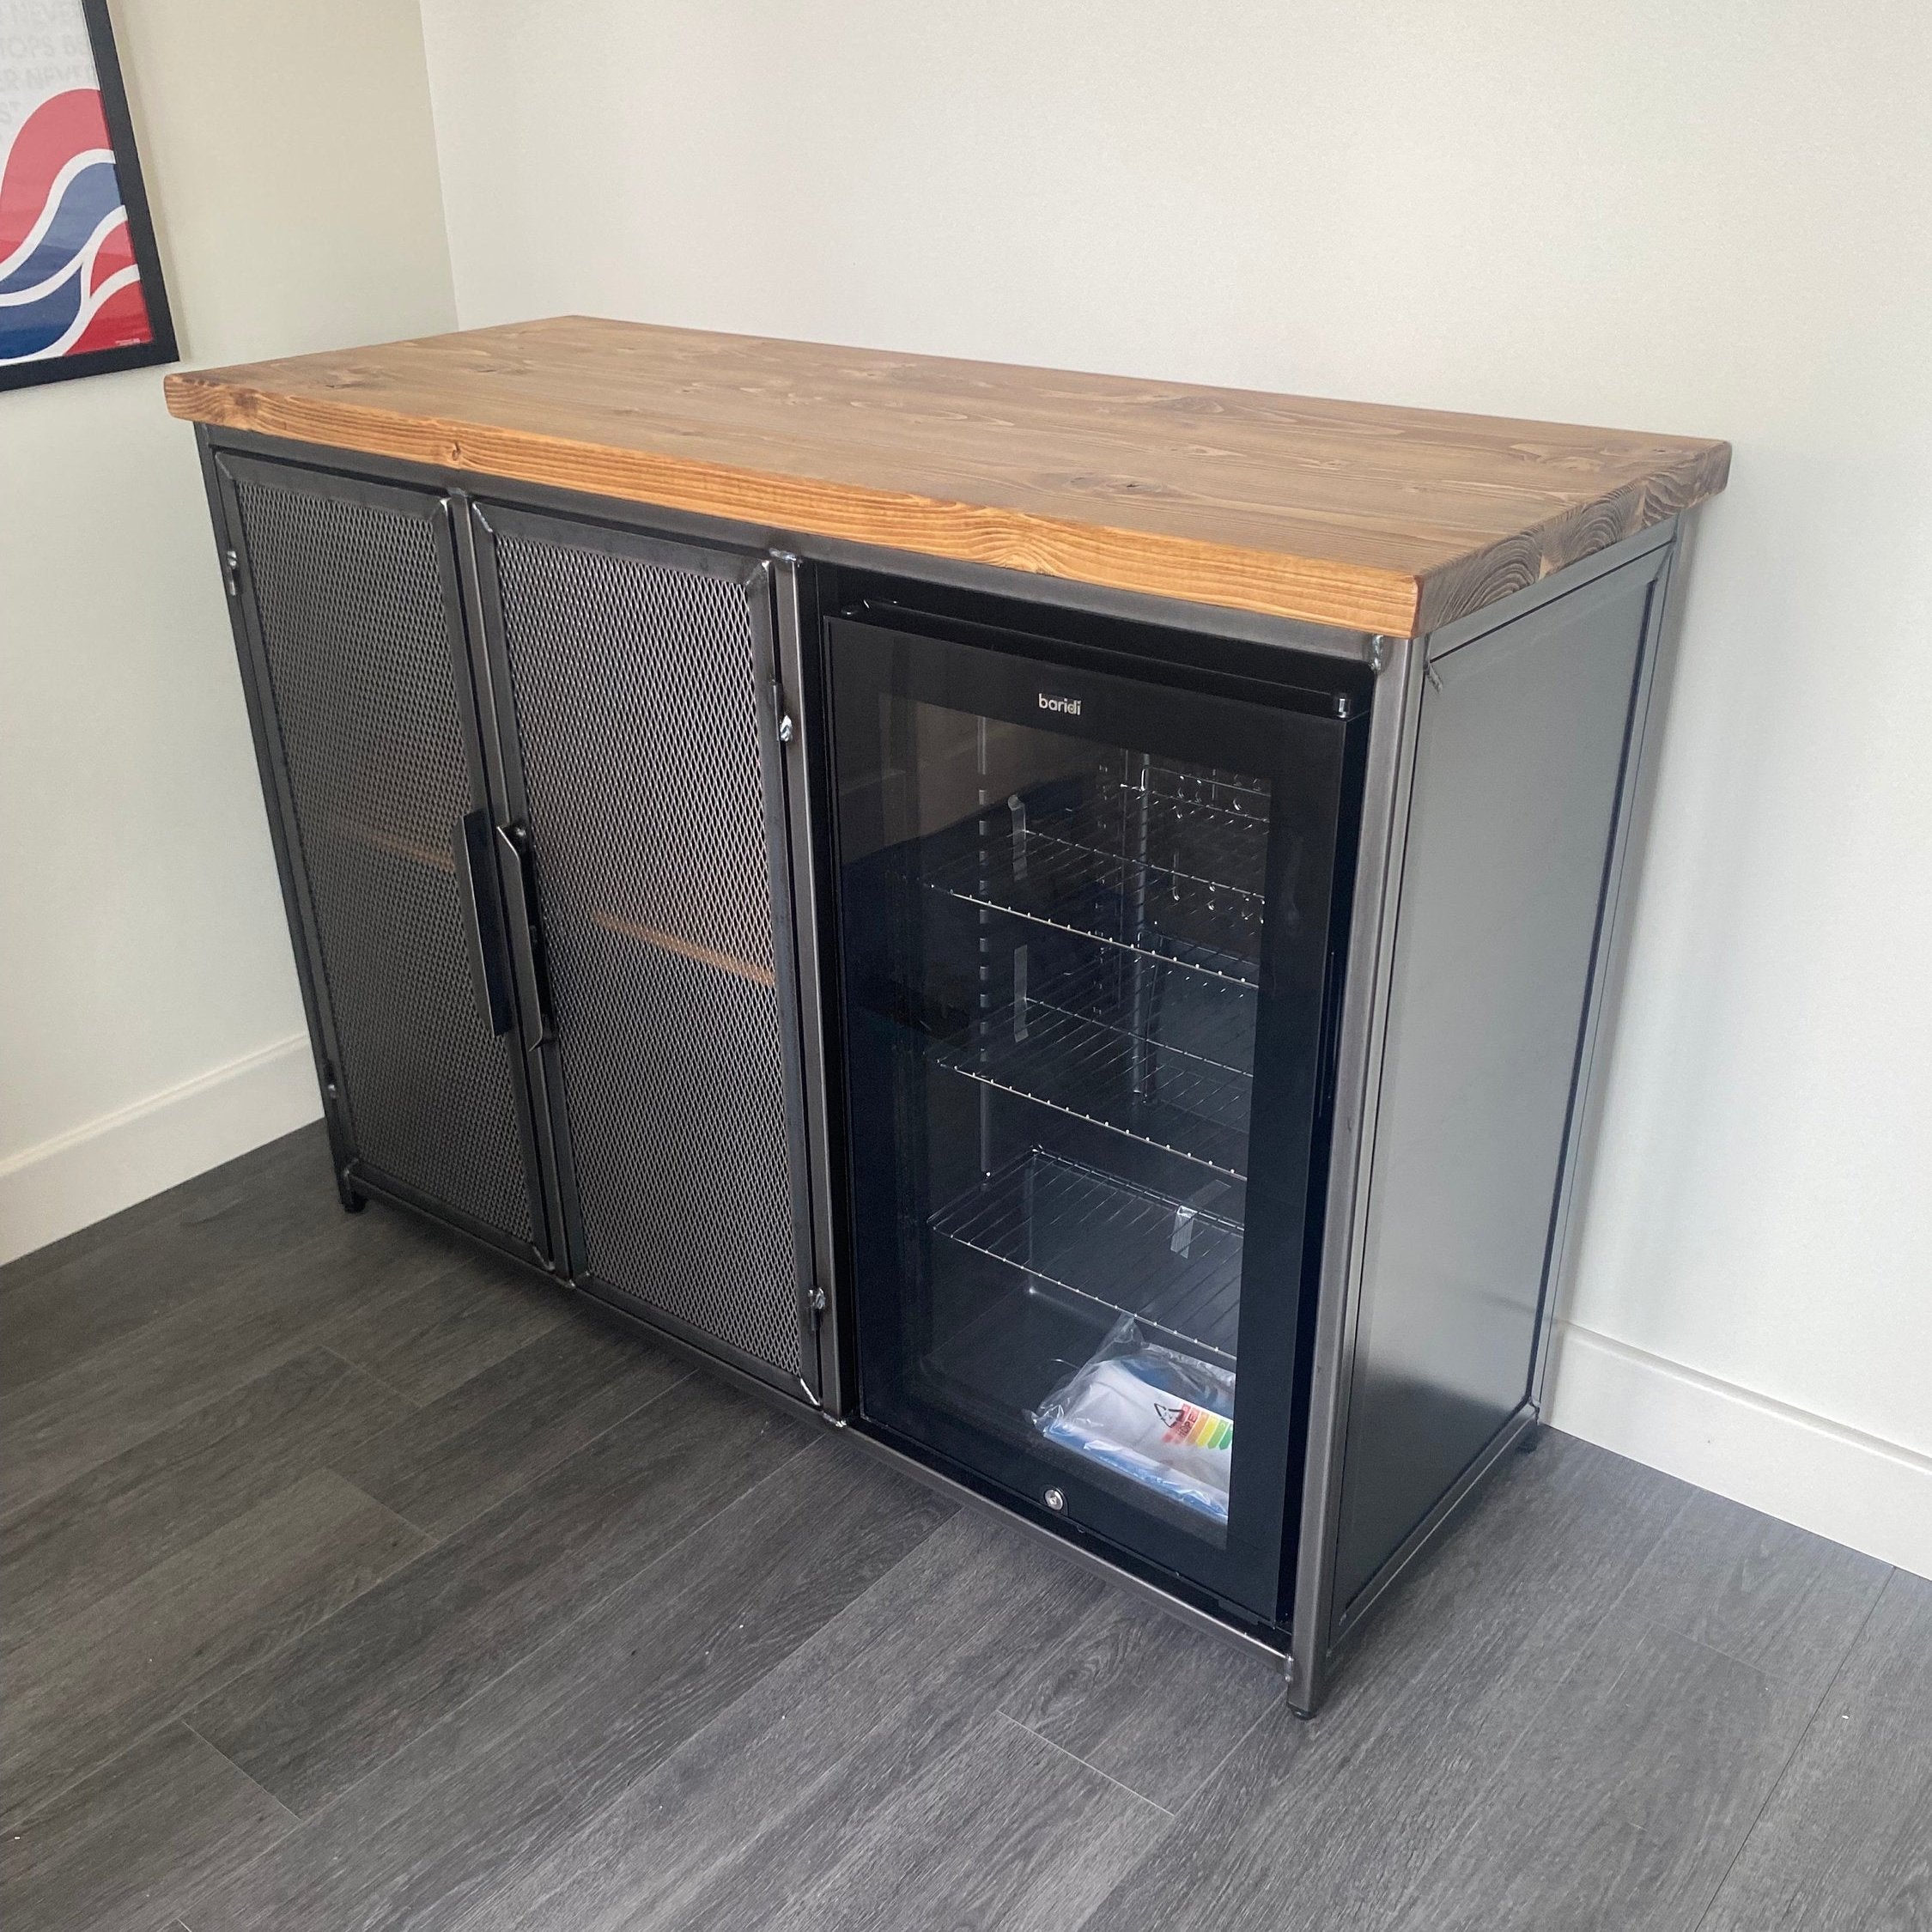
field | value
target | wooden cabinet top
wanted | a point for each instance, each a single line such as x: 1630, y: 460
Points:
x: 1393, y: 521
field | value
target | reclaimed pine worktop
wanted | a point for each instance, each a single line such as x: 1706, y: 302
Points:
x: 1377, y: 519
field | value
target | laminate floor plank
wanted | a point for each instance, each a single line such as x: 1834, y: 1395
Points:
x: 1627, y: 1802
x: 446, y: 1326
x: 113, y: 1397
x: 84, y: 1691
x: 213, y: 1230
x: 511, y: 1421
x: 659, y: 1657
x: 1845, y: 1842
x: 467, y: 1807
x: 764, y: 1804
x: 120, y: 1518
x: 311, y: 1721
x: 124, y: 1270
x: 1001, y: 1833
x: 1324, y: 1826
x: 1146, y: 1700
x: 25, y: 1270
x: 145, y: 1836
x: 1759, y: 1590
x: 279, y: 1196
x: 100, y: 1294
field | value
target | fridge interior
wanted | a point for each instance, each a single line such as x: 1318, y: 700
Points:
x: 1081, y: 945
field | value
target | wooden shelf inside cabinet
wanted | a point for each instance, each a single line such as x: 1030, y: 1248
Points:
x: 396, y: 845
x: 686, y: 949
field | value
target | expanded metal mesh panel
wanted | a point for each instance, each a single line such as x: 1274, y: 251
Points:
x: 359, y: 641
x: 636, y: 708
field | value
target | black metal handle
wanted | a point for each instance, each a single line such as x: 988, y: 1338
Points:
x: 489, y: 959
x: 522, y: 885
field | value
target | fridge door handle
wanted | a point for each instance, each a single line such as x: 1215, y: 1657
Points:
x: 490, y: 962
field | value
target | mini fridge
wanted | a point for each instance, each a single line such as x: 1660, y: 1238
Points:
x: 1091, y: 922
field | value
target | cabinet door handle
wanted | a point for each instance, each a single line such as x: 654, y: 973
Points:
x: 523, y: 889
x: 489, y: 961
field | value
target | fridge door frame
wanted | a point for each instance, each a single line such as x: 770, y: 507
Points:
x: 1244, y: 1584
x: 223, y: 463
x: 503, y: 512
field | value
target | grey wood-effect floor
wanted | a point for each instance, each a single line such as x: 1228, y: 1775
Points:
x: 348, y: 1580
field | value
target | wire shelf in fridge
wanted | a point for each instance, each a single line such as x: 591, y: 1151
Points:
x: 1173, y: 880
x: 1173, y: 1266
x: 1158, y: 1096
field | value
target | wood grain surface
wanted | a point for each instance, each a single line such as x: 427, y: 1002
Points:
x: 1375, y: 519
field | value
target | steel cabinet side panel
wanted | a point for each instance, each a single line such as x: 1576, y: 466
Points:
x: 1521, y: 754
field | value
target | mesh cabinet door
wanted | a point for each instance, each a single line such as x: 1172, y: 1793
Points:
x: 355, y: 630
x: 636, y: 699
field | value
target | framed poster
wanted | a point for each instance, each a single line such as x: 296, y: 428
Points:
x: 80, y: 283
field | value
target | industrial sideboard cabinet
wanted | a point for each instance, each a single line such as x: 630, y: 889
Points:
x: 1060, y: 924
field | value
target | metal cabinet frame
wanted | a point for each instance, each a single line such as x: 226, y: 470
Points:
x: 1310, y: 1648
x: 1322, y: 1628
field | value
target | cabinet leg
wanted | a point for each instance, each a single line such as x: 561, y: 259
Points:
x: 353, y: 1200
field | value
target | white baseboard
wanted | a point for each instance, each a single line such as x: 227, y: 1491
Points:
x: 97, y: 1169
x: 1869, y: 1494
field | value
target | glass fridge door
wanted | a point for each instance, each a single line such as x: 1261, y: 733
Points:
x: 1085, y: 922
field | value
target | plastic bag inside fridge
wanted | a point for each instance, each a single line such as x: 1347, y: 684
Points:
x: 1160, y: 1418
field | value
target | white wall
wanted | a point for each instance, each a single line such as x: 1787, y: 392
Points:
x: 1710, y: 219
x: 150, y: 1021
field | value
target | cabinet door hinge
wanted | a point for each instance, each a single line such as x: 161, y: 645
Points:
x: 231, y: 571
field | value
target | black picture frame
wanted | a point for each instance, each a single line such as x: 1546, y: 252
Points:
x: 160, y: 347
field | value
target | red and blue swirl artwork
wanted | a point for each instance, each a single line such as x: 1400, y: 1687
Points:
x: 69, y: 285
